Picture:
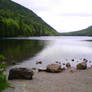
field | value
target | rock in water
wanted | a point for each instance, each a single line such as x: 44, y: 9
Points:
x: 72, y: 59
x: 68, y: 65
x: 39, y: 62
x: 20, y: 73
x: 85, y: 60
x: 54, y: 68
x: 82, y: 66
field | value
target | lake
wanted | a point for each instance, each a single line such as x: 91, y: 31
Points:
x: 26, y: 51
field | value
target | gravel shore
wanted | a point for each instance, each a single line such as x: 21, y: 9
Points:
x: 78, y: 81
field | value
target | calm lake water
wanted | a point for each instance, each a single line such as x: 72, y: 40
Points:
x: 47, y: 49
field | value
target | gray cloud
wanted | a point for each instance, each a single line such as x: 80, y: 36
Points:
x: 63, y: 15
x: 76, y: 14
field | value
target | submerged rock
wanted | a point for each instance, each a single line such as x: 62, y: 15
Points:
x: 72, y: 59
x: 82, y: 66
x: 54, y: 68
x: 85, y: 60
x: 20, y: 73
x: 33, y: 68
x: 63, y: 64
x: 58, y: 62
x: 39, y: 62
x: 89, y: 61
x: 13, y: 62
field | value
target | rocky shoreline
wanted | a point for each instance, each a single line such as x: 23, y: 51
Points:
x: 24, y: 73
x: 77, y: 81
x: 66, y: 79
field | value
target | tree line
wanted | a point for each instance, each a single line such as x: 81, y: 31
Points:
x: 16, y: 20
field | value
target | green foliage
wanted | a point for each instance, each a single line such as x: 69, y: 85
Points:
x: 32, y: 73
x: 19, y: 50
x: 2, y: 68
x: 3, y: 81
x: 84, y: 32
x: 2, y: 57
x: 16, y: 20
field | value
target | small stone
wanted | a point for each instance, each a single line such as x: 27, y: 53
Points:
x: 72, y: 70
x: 72, y: 59
x: 68, y: 65
x: 41, y: 69
x: 34, y: 68
x: 85, y: 60
x: 89, y: 61
x: 81, y: 66
x: 89, y: 68
x: 13, y: 62
x: 58, y: 62
x: 39, y: 62
x: 63, y: 63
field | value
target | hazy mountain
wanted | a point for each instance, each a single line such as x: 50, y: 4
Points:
x: 16, y: 20
x: 84, y: 32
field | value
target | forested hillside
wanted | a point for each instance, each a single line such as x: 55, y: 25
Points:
x: 16, y: 20
x: 84, y: 32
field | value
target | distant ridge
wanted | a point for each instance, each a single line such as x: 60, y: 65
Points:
x: 84, y: 32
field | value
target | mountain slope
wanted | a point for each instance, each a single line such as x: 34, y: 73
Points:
x: 84, y: 32
x: 16, y: 20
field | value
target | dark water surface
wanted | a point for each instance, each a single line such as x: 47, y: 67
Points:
x: 16, y: 50
x: 47, y: 49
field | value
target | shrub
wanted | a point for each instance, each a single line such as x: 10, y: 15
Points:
x: 2, y: 57
x: 3, y: 81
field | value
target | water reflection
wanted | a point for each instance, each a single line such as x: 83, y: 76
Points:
x: 19, y: 50
x: 47, y: 49
x: 63, y: 50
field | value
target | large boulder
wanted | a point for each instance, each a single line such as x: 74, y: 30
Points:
x: 20, y: 73
x: 82, y: 66
x: 54, y: 68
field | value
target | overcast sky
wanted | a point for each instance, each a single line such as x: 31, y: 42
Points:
x: 63, y: 15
